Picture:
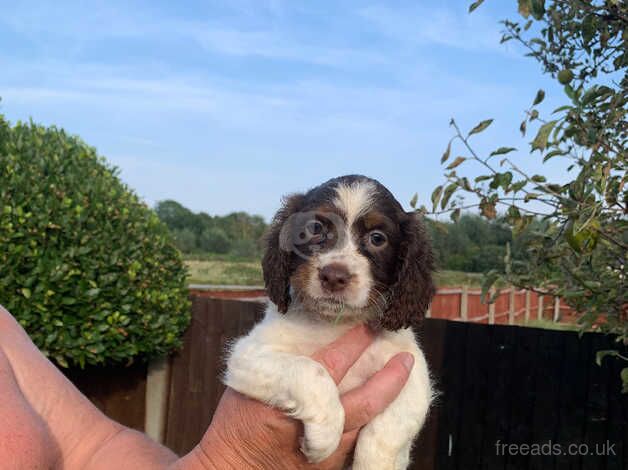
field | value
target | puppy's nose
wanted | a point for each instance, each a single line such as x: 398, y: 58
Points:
x: 334, y: 277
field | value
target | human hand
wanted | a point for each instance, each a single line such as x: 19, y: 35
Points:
x: 245, y: 433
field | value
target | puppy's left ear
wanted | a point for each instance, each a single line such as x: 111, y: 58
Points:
x: 277, y: 260
x: 413, y: 290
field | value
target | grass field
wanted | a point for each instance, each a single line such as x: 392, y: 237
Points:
x: 243, y: 273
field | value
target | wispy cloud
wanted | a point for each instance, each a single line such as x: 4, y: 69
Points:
x: 187, y: 97
x: 423, y: 25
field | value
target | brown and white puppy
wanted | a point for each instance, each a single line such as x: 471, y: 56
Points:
x: 343, y: 253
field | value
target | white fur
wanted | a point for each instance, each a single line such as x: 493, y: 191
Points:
x: 354, y: 199
x: 272, y: 364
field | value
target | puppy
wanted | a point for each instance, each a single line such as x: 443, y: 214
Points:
x: 341, y: 254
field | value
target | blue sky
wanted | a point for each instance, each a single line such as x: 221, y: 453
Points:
x: 227, y: 105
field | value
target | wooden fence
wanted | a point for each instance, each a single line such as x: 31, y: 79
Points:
x: 498, y: 384
x: 512, y: 306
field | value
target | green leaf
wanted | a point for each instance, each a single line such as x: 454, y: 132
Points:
x: 26, y: 292
x: 537, y: 9
x: 538, y: 179
x: 524, y: 8
x: 455, y: 215
x: 445, y: 156
x: 565, y: 76
x: 540, y: 141
x: 588, y: 28
x: 522, y: 128
x: 502, y: 151
x: 447, y: 194
x: 475, y: 4
x: 600, y: 355
x: 513, y: 212
x: 624, y: 378
x: 482, y: 178
x: 456, y: 162
x: 481, y: 126
x: 518, y: 186
x: 93, y: 292
x: 562, y: 108
x: 540, y: 95
x: 414, y: 200
x: 505, y: 181
x: 61, y: 361
x: 436, y: 196
x: 488, y: 281
x: 552, y: 154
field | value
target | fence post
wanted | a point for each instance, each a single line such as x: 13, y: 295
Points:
x: 464, y: 303
x: 491, y: 308
x: 157, y: 389
x: 556, y: 309
x: 539, y: 308
x: 511, y: 307
x: 527, y: 310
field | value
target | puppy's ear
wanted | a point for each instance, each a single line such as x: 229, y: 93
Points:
x: 277, y: 260
x: 413, y: 290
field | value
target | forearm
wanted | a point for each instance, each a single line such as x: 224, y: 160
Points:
x: 86, y: 438
x: 126, y: 448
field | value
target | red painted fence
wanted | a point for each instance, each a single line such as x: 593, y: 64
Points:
x: 512, y: 306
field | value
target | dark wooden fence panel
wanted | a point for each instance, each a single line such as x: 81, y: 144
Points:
x: 119, y: 392
x: 514, y: 385
x: 195, y: 386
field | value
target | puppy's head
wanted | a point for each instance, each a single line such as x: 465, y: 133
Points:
x: 347, y: 248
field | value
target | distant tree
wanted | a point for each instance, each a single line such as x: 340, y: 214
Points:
x: 576, y: 247
x: 214, y: 240
x: 245, y: 248
x: 185, y: 239
x: 237, y: 233
x: 472, y: 245
x: 174, y: 215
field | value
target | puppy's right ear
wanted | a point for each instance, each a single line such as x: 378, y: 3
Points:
x: 277, y: 260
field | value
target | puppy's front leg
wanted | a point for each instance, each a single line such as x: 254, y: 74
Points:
x: 385, y: 442
x: 295, y: 384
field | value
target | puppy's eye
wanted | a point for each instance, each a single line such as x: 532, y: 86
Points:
x: 377, y: 238
x: 315, y: 230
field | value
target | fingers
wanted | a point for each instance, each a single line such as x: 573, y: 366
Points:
x: 362, y: 404
x: 340, y: 355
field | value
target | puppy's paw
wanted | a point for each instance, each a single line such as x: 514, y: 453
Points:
x: 322, y: 433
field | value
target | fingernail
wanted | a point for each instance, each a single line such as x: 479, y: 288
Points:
x: 408, y: 361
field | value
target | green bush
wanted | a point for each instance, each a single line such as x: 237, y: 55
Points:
x: 87, y: 269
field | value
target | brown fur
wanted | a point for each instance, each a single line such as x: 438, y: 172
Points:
x: 411, y: 294
x: 277, y: 263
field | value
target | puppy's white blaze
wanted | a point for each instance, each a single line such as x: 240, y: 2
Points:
x: 354, y: 199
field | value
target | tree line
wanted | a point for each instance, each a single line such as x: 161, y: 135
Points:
x: 472, y: 245
x: 237, y: 234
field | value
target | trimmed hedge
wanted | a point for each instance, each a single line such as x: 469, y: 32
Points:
x: 87, y: 269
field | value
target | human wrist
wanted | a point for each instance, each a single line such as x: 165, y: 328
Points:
x: 213, y: 453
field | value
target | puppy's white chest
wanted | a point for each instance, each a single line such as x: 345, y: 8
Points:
x: 299, y: 337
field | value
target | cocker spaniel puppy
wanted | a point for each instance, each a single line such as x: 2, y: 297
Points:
x: 343, y: 253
